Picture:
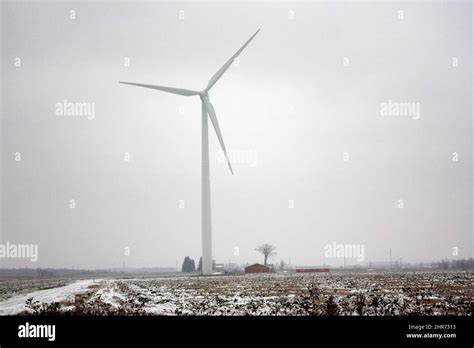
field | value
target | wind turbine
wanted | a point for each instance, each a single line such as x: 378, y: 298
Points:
x: 206, y: 109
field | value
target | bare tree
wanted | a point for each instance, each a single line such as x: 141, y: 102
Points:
x: 267, y: 250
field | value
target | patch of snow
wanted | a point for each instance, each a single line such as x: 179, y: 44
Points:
x: 16, y: 304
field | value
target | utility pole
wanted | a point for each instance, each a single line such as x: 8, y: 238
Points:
x: 390, y: 258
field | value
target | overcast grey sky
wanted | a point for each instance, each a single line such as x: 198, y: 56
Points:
x: 304, y: 105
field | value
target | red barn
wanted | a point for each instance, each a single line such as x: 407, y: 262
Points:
x: 257, y: 268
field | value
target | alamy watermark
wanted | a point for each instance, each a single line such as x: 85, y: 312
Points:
x: 403, y: 109
x: 68, y: 108
x: 348, y: 251
x: 37, y: 331
x: 249, y: 157
x: 21, y: 251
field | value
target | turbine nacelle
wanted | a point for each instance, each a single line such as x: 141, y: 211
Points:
x: 204, y: 95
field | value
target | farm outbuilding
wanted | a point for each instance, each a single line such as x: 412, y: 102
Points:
x: 257, y: 268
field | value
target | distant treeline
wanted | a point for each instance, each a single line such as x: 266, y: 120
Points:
x: 462, y: 264
x: 43, y: 273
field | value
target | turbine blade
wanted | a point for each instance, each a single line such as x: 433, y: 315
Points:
x: 179, y: 91
x: 212, y: 115
x: 226, y: 66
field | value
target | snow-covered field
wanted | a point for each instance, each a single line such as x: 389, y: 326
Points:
x: 17, y: 304
x: 409, y: 293
x: 9, y: 288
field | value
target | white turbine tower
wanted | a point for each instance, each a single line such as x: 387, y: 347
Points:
x: 207, y: 109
